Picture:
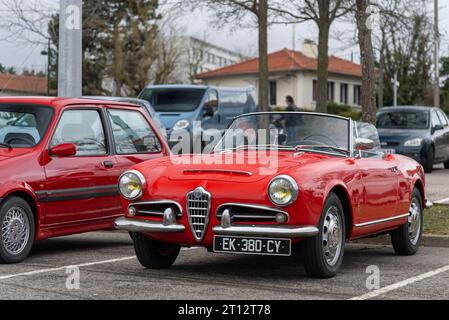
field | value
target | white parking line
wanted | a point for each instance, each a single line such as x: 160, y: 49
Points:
x: 31, y: 273
x: 88, y: 264
x: 401, y: 284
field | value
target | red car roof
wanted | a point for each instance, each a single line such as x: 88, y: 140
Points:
x: 58, y: 102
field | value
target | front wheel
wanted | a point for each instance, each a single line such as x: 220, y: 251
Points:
x: 407, y: 238
x: 17, y: 232
x: 153, y: 254
x: 323, y: 254
x: 446, y: 164
x: 428, y: 163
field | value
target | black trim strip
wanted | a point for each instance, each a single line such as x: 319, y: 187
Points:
x: 77, y: 193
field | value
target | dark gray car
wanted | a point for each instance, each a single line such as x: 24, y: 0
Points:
x: 422, y: 133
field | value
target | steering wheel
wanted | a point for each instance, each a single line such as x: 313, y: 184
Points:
x: 335, y: 144
x: 27, y: 140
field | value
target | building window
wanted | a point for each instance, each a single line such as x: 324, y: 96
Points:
x: 344, y: 93
x: 315, y: 90
x: 357, y: 95
x: 330, y: 91
x: 273, y: 93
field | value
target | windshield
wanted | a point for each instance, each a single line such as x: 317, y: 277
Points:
x: 23, y: 127
x: 174, y: 99
x: 403, y: 120
x: 289, y: 131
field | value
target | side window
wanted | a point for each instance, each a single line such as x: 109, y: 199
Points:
x: 83, y: 128
x: 435, y: 120
x: 211, y: 104
x: 443, y: 119
x: 132, y: 133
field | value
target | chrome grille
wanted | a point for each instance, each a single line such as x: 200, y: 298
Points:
x: 198, y: 210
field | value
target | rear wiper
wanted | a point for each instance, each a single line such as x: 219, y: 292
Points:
x: 5, y: 145
x: 308, y: 148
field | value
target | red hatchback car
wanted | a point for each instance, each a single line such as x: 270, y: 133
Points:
x: 60, y: 160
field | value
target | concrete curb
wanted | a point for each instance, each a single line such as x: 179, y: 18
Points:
x: 428, y: 240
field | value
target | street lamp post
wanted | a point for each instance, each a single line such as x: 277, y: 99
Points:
x: 48, y: 54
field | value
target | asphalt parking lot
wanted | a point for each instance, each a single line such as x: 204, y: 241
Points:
x: 109, y: 270
x: 438, y: 184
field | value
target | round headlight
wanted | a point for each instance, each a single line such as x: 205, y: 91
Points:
x: 132, y: 184
x: 283, y: 190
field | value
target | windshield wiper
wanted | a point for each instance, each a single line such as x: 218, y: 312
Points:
x: 309, y: 148
x: 5, y: 145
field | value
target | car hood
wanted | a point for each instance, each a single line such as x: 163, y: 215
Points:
x: 401, y: 134
x: 240, y: 167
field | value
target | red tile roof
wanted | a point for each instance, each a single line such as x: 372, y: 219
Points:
x: 23, y: 84
x: 285, y: 60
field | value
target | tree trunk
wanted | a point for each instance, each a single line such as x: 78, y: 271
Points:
x: 263, y: 56
x: 323, y: 64
x: 367, y: 56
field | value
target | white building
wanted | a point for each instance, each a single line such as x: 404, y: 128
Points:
x: 293, y: 73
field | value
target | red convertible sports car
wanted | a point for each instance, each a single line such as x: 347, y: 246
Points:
x: 273, y: 181
x: 60, y: 160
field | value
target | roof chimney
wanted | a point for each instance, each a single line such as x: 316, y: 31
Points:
x: 310, y: 49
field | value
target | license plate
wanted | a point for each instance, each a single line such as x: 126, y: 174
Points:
x: 256, y: 246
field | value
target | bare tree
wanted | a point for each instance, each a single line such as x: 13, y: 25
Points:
x: 195, y: 55
x: 323, y: 13
x: 236, y: 12
x: 368, y: 99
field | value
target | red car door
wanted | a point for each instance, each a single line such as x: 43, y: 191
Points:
x: 134, y: 138
x: 380, y: 189
x: 82, y: 187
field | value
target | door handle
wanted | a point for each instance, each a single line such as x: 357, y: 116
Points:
x: 108, y: 164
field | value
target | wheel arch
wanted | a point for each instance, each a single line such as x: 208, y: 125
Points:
x: 28, y: 195
x: 342, y: 193
x: 418, y: 183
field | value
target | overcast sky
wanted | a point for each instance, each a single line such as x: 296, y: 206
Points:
x: 200, y: 24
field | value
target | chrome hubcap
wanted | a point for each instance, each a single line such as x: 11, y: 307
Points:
x: 414, y: 222
x: 332, y: 236
x: 15, y: 231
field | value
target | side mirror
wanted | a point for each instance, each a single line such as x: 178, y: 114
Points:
x: 438, y: 127
x: 63, y: 150
x: 362, y: 144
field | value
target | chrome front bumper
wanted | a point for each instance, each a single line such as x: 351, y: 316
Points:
x: 267, y: 231
x: 147, y: 226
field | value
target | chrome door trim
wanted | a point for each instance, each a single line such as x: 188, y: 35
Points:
x: 370, y: 223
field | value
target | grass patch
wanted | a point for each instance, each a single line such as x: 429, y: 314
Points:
x: 436, y: 220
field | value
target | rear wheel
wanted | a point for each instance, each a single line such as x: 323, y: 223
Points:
x: 446, y: 164
x: 17, y: 230
x: 407, y: 239
x: 323, y: 254
x: 153, y: 254
x: 428, y: 164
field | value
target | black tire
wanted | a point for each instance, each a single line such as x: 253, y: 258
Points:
x: 428, y: 164
x: 446, y: 164
x: 403, y: 242
x: 153, y: 254
x: 313, y: 250
x: 26, y: 218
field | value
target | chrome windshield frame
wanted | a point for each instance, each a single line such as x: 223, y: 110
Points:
x: 350, y: 128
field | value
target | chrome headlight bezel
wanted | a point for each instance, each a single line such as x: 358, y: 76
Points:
x: 294, y: 190
x: 142, y: 183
